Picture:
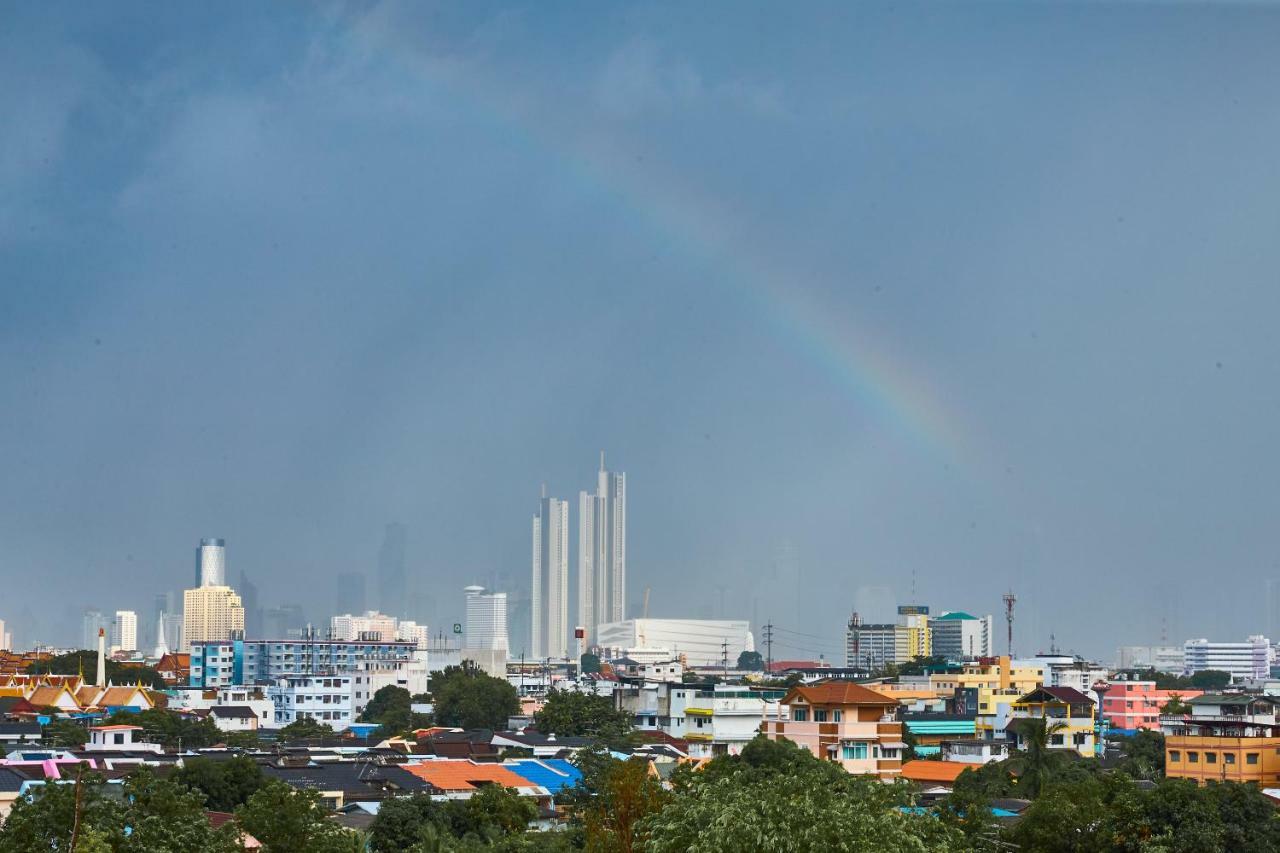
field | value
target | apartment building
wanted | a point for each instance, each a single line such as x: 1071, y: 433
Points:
x: 1133, y: 705
x: 1225, y: 738
x: 843, y: 722
x: 327, y: 699
x: 1070, y: 712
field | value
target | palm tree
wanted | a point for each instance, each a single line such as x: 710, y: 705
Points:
x: 1036, y: 759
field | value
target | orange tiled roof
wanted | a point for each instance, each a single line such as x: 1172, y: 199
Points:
x: 465, y: 775
x: 838, y: 693
x: 933, y: 771
x: 45, y: 696
x: 113, y: 696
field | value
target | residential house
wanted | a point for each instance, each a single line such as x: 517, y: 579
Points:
x: 844, y: 722
x: 1225, y: 738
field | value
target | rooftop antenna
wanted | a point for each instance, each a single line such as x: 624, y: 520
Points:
x: 913, y: 586
x: 544, y: 490
x: 1009, y: 600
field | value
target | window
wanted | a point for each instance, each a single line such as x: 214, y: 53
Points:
x: 854, y: 751
x: 1193, y: 758
x: 1251, y: 758
x: 837, y: 715
x: 800, y: 715
x: 1175, y: 755
x: 1228, y: 758
x: 1058, y: 740
x: 819, y: 715
x: 1079, y: 738
x: 1211, y: 758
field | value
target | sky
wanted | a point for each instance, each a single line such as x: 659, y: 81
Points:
x: 929, y: 301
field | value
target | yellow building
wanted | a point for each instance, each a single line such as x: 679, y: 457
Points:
x: 911, y: 637
x: 997, y: 675
x: 211, y: 613
x: 1226, y: 738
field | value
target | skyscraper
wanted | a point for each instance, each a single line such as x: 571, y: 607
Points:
x: 124, y: 631
x: 211, y: 562
x: 391, y: 586
x: 93, y: 621
x: 252, y: 609
x: 550, y: 591
x: 350, y: 598
x: 6, y: 640
x: 486, y: 626
x: 211, y: 613
x: 602, y: 551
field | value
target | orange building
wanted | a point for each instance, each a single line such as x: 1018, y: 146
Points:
x: 1226, y: 738
x: 844, y: 722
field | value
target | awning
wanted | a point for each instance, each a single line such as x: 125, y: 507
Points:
x: 895, y: 745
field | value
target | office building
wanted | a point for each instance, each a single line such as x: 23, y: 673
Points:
x: 486, y: 625
x: 408, y: 631
x: 957, y: 636
x: 1250, y: 659
x: 124, y: 631
x: 211, y: 563
x: 253, y: 617
x: 391, y: 571
x: 550, y: 588
x: 371, y: 625
x: 350, y: 598
x: 1160, y: 658
x: 91, y: 623
x: 211, y: 613
x: 602, y: 551
x: 698, y: 642
x: 870, y: 646
x: 6, y: 639
x: 912, y: 639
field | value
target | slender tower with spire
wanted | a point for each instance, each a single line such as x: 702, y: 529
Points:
x: 101, y: 680
x: 602, y: 551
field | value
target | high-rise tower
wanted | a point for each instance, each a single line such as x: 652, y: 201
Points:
x: 550, y: 590
x: 602, y: 551
x: 211, y: 563
x: 391, y: 571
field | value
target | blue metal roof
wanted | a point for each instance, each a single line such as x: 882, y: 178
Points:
x: 554, y: 774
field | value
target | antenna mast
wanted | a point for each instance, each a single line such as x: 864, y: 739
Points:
x: 1009, y: 600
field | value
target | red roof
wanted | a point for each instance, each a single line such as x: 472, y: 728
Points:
x: 465, y: 775
x: 933, y: 771
x: 837, y: 692
x: 782, y: 665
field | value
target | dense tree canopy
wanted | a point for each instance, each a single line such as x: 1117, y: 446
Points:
x: 492, y: 815
x: 86, y: 662
x: 289, y: 820
x: 226, y: 785
x: 574, y: 714
x: 305, y: 728
x: 750, y: 661
x: 466, y: 697
x: 171, y: 729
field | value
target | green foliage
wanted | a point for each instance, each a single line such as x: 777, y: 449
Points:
x: 493, y: 815
x: 574, y: 714
x: 1142, y: 754
x: 226, y: 785
x: 923, y: 665
x: 1204, y: 680
x: 170, y: 729
x: 389, y: 698
x: 74, y: 663
x: 589, y: 663
x: 305, y: 728
x: 67, y: 734
x: 466, y: 697
x: 751, y: 662
x: 785, y: 799
x: 160, y: 816
x: 1175, y: 706
x: 286, y: 820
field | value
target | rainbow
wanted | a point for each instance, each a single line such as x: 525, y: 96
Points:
x: 853, y: 356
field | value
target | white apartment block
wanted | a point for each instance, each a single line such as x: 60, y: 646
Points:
x: 327, y: 699
x: 1250, y: 659
x: 124, y: 631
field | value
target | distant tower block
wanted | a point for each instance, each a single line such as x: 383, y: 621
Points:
x: 1009, y: 600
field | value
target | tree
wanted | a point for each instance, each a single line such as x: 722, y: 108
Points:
x: 387, y: 699
x: 1175, y: 707
x: 1143, y: 754
x: 67, y: 734
x: 466, y: 697
x: 751, y: 662
x: 86, y: 662
x: 1036, y: 759
x: 492, y: 814
x: 306, y: 728
x: 589, y: 663
x: 154, y: 816
x: 1210, y: 679
x: 574, y: 714
x: 285, y: 820
x: 921, y: 665
x: 628, y: 795
x: 170, y: 729
x: 226, y: 785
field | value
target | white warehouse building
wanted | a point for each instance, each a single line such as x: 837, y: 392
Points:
x: 700, y: 641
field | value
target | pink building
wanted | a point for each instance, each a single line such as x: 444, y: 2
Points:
x: 842, y: 722
x: 1133, y: 705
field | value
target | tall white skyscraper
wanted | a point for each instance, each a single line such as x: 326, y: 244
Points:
x: 211, y: 563
x: 486, y: 620
x: 124, y: 631
x: 6, y: 640
x: 602, y: 551
x: 550, y: 590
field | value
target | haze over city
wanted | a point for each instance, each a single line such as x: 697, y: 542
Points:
x: 936, y: 302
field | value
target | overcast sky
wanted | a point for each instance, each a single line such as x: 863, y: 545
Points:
x: 944, y: 296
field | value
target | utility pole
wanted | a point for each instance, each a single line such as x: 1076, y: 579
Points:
x: 1009, y: 600
x: 768, y: 644
x: 854, y: 622
x: 724, y: 657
